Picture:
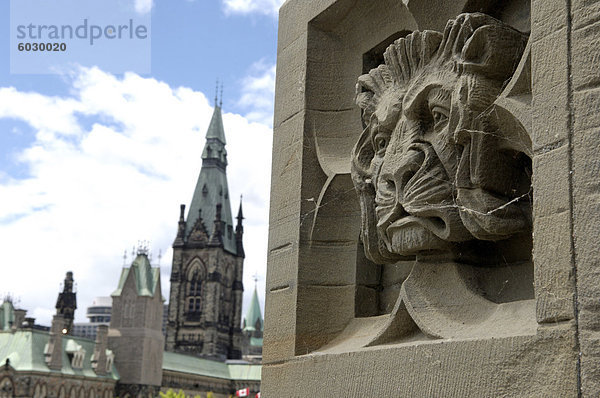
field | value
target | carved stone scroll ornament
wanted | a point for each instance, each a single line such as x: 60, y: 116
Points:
x: 441, y: 180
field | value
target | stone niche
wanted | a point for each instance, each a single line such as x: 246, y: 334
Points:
x: 434, y: 204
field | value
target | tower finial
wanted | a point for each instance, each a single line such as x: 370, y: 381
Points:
x: 216, y: 91
x: 221, y: 101
x: 240, y: 215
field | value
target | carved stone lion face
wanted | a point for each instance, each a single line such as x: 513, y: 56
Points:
x: 432, y: 168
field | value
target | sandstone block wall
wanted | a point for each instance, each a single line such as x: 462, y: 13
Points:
x: 317, y: 282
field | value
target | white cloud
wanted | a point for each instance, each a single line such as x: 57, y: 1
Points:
x: 51, y: 113
x: 108, y: 167
x: 143, y: 6
x: 258, y: 93
x: 267, y: 7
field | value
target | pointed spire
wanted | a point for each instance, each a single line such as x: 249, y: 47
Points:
x: 253, y: 320
x: 212, y: 187
x: 240, y: 215
x: 216, y: 239
x: 180, y: 238
x: 215, y: 130
x: 239, y: 232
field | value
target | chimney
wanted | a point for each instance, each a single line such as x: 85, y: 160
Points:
x: 99, y: 357
x: 29, y: 322
x: 53, y: 350
x: 19, y: 319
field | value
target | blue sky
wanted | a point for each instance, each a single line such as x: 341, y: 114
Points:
x: 91, y: 162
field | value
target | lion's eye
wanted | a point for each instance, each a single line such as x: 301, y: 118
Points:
x: 380, y: 142
x: 439, y: 115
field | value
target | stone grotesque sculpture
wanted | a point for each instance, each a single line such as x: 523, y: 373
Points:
x: 435, y: 173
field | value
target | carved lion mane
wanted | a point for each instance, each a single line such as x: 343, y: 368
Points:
x: 469, y: 182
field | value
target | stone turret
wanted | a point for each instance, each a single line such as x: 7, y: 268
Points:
x: 66, y: 304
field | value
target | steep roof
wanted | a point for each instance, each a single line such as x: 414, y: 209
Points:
x: 25, y: 351
x: 212, y: 188
x: 215, y: 128
x: 146, y: 277
x: 253, y: 315
x: 182, y: 363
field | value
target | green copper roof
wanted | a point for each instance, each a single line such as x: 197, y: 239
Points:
x: 215, y: 128
x: 25, y: 351
x: 204, y: 367
x: 146, y: 277
x: 253, y: 315
x: 211, y: 187
x: 7, y: 315
x: 244, y: 372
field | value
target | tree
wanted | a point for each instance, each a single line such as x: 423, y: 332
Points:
x: 172, y: 394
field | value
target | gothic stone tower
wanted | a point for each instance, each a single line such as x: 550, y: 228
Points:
x: 205, y: 302
x: 135, y: 334
x: 66, y: 304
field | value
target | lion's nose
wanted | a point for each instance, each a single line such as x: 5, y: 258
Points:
x: 398, y: 172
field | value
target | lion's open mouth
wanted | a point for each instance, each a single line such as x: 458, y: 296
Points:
x: 411, y: 235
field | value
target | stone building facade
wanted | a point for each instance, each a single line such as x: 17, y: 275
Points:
x: 41, y: 364
x: 205, y: 301
x: 466, y: 161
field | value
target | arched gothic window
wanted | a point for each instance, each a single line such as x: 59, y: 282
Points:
x: 40, y: 391
x: 194, y: 294
x: 7, y: 388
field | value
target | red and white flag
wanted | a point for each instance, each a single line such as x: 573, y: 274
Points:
x: 243, y: 393
x: 257, y: 395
